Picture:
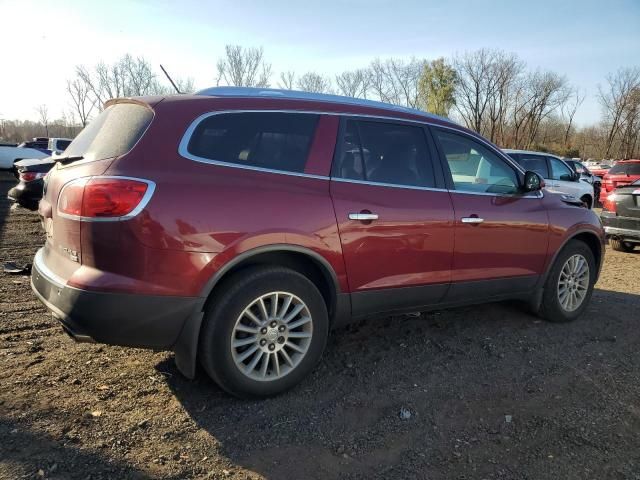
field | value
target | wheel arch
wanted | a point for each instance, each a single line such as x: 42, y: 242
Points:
x: 300, y: 259
x: 590, y: 238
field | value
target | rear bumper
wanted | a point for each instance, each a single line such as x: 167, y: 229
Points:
x: 623, y: 233
x: 114, y: 318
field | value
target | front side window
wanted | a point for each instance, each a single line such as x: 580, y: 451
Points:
x: 475, y: 168
x: 560, y: 171
x: 272, y: 140
x: 381, y: 152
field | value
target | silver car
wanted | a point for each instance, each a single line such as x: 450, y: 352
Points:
x: 558, y: 176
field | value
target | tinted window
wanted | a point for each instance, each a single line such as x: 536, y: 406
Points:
x: 632, y: 168
x: 535, y: 163
x: 112, y: 133
x: 559, y: 171
x: 384, y: 153
x: 278, y: 141
x: 63, y: 144
x: 475, y: 168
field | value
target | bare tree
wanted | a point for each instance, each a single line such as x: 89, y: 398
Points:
x: 569, y: 109
x: 354, y: 83
x: 396, y: 81
x: 83, y: 102
x: 126, y: 77
x: 43, y: 115
x: 617, y: 100
x: 287, y: 80
x: 314, y: 82
x: 477, y: 86
x: 244, y: 67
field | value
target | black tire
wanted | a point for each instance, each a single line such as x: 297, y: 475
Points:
x: 239, y: 291
x: 621, y: 246
x: 550, y: 308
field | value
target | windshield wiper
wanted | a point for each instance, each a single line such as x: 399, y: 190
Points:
x: 70, y: 158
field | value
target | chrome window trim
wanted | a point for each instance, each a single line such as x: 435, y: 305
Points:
x: 151, y: 187
x: 392, y: 185
x: 186, y: 137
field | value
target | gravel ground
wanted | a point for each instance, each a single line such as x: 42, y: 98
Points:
x: 486, y: 392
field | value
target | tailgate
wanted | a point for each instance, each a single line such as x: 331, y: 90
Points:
x: 109, y: 136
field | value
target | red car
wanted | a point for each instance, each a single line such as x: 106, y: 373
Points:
x: 236, y: 227
x: 624, y: 172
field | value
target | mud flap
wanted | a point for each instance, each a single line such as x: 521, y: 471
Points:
x: 186, y: 347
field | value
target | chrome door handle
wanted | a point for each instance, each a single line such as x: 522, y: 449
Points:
x: 472, y: 220
x: 363, y: 216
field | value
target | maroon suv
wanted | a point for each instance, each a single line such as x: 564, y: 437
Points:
x: 236, y: 227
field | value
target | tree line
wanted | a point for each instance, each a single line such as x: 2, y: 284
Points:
x: 490, y: 91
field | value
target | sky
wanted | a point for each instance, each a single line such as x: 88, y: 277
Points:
x: 41, y: 42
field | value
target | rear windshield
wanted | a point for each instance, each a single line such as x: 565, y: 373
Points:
x: 625, y: 168
x: 112, y: 133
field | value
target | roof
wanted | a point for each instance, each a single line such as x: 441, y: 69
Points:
x: 249, y: 92
x: 531, y: 152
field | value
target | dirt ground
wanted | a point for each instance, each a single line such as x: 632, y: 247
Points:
x: 487, y: 392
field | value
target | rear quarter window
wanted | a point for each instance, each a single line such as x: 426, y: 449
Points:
x: 112, y: 133
x: 270, y: 140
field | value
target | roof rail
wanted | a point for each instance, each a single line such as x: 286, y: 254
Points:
x: 299, y: 95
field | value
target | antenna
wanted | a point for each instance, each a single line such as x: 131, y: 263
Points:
x: 174, y: 85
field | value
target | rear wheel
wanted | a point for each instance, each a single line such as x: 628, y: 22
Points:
x: 621, y: 246
x: 569, y: 285
x: 264, y: 332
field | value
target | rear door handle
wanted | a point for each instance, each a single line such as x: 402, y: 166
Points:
x: 472, y: 220
x: 363, y: 217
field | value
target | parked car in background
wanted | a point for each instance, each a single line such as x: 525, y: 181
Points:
x: 236, y: 226
x: 558, y: 176
x: 600, y: 169
x: 621, y: 217
x: 38, y: 148
x: 624, y: 172
x: 30, y: 173
x: 586, y: 175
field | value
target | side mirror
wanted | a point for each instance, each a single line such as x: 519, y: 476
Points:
x: 532, y: 181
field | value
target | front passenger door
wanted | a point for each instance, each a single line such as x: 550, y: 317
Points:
x: 501, y: 234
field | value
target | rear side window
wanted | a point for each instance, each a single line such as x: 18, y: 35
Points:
x: 534, y: 163
x: 112, y: 133
x: 381, y: 152
x: 559, y: 171
x: 273, y: 140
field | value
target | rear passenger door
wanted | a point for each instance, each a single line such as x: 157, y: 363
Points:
x: 394, y: 215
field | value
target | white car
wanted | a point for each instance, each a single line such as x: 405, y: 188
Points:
x: 558, y: 176
x: 36, y: 149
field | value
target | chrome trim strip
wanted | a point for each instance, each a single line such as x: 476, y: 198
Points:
x: 40, y: 266
x: 392, y: 185
x: 151, y: 187
x: 538, y: 194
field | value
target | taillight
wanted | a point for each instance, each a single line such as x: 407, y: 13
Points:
x: 30, y: 176
x: 104, y: 197
x: 609, y: 203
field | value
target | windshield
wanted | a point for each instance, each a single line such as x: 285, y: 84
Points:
x: 112, y: 133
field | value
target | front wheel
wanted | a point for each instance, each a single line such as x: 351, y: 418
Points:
x: 569, y: 285
x: 264, y: 332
